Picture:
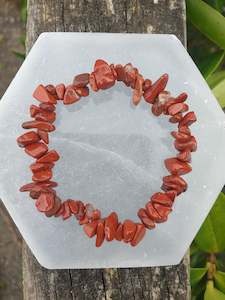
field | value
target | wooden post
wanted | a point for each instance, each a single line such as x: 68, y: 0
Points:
x: 152, y: 16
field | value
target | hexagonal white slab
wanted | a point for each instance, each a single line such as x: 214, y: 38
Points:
x: 111, y: 152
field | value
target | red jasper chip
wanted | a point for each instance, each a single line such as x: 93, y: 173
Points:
x: 161, y: 198
x: 43, y: 189
x: 74, y: 206
x: 148, y: 223
x: 51, y: 89
x: 111, y: 224
x: 190, y: 145
x: 177, y: 108
x: 139, y: 235
x: 81, y: 211
x: 157, y: 109
x: 185, y: 130
x: 92, y: 82
x: 42, y: 95
x: 55, y: 208
x: 84, y: 220
x: 120, y: 72
x: 176, y: 167
x: 174, y: 182
x: 45, y: 126
x: 60, y: 211
x: 181, y: 137
x: 38, y: 186
x: 188, y: 119
x: 34, y: 110
x: 70, y: 96
x: 45, y: 202
x: 34, y: 194
x: 36, y: 150
x: 103, y: 75
x: 182, y: 97
x: 142, y: 214
x: 171, y: 194
x: 49, y: 157
x: 81, y: 80
x: 47, y: 106
x: 184, y: 156
x: 147, y: 84
x: 96, y: 214
x: 137, y: 93
x: 163, y: 211
x: 43, y: 135
x: 41, y: 176
x: 129, y: 230
x: 31, y: 186
x: 112, y: 67
x: 28, y: 138
x: 176, y: 118
x: 119, y: 232
x: 83, y: 91
x: 151, y: 93
x: 60, y: 91
x: 36, y: 167
x: 100, y: 234
x: 47, y: 184
x: 172, y: 101
x: 46, y: 116
x: 153, y: 213
x: 67, y: 213
x: 166, y: 106
x: 90, y: 229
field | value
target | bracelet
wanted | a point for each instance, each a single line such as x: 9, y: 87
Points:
x: 35, y: 144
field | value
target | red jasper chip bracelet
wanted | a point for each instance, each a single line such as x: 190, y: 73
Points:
x: 35, y: 144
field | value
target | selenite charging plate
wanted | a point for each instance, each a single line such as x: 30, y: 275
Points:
x: 111, y: 152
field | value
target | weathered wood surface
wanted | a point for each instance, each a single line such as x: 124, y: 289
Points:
x: 158, y: 16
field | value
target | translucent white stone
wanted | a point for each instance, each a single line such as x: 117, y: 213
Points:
x: 111, y: 152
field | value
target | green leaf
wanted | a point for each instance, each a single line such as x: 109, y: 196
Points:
x: 219, y: 5
x: 220, y: 261
x: 217, y: 83
x: 198, y: 290
x: 215, y: 78
x: 198, y: 259
x: 208, y: 20
x: 211, y: 63
x: 193, y: 248
x: 219, y: 92
x: 211, y: 237
x: 213, y: 294
x: 197, y: 274
x: 219, y: 278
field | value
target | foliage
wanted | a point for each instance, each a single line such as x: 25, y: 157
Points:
x: 208, y: 248
x: 211, y: 23
x: 207, y: 273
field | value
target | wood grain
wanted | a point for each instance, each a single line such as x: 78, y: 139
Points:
x: 158, y: 16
